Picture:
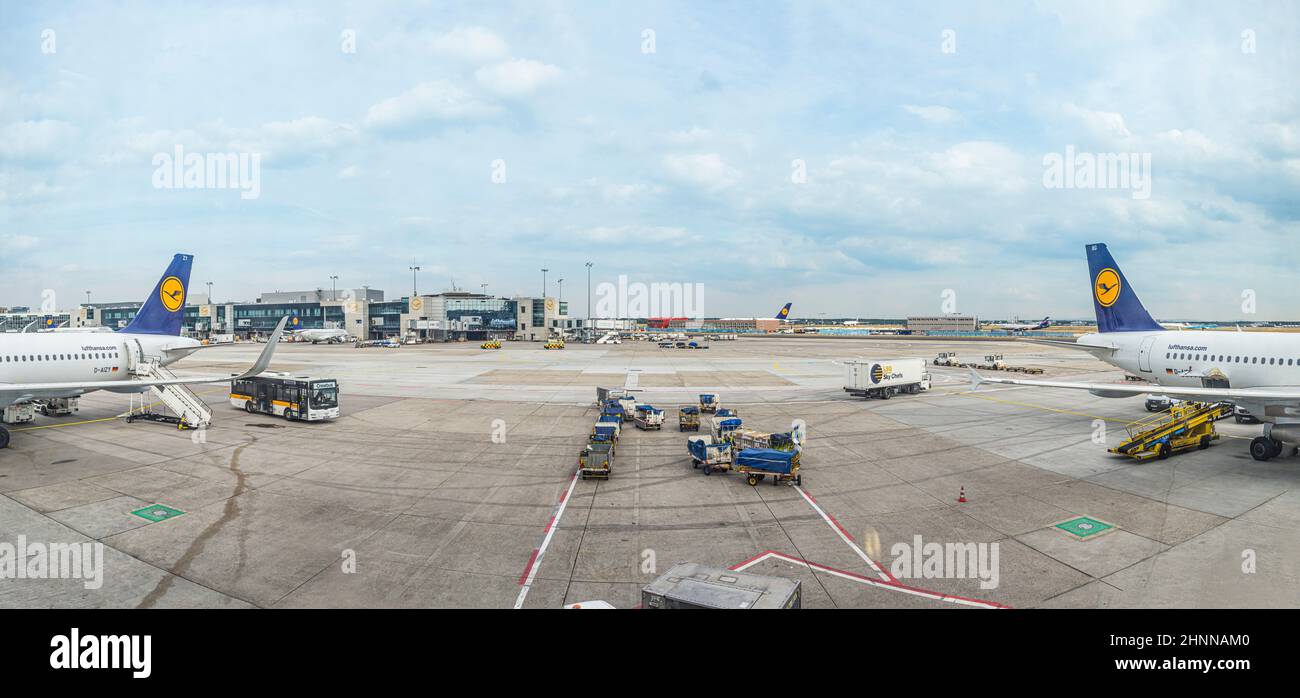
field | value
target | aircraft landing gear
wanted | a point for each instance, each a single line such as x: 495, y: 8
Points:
x: 1264, y: 448
x: 4, y: 438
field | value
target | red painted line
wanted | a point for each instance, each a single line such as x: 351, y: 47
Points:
x: 548, y: 524
x: 938, y: 595
x: 765, y: 553
x: 529, y: 567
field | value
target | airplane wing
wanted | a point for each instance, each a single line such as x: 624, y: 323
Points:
x: 18, y: 390
x: 1098, y: 350
x: 1279, y: 393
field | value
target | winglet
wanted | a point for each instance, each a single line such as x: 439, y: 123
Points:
x: 264, y: 359
x: 975, y: 380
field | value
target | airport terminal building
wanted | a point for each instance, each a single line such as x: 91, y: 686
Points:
x: 363, y: 313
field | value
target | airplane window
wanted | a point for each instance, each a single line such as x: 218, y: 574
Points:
x: 1270, y: 361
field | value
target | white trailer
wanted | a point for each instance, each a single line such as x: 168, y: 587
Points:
x: 884, y: 379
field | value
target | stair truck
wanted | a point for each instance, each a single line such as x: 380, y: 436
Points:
x: 758, y: 463
x: 709, y: 402
x: 709, y: 453
x: 596, y: 460
x: 688, y: 418
x: 884, y: 379
x: 649, y: 417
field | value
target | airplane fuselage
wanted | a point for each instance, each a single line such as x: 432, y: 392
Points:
x: 1192, y: 358
x: 66, y: 357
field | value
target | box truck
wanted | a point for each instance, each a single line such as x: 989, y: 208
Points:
x: 884, y: 379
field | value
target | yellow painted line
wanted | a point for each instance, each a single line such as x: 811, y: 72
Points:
x: 1043, y: 407
x: 68, y: 424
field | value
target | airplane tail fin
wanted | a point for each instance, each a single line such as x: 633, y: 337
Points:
x: 1117, y: 306
x: 784, y: 312
x: 164, y: 309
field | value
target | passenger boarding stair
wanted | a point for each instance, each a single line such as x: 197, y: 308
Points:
x: 1181, y: 427
x: 190, y: 410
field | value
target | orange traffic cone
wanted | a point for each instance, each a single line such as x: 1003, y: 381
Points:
x: 961, y: 497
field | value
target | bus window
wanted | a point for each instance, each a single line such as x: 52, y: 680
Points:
x: 324, y: 396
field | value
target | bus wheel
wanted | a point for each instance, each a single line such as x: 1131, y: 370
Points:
x: 4, y: 438
x: 288, y: 414
x: 248, y: 406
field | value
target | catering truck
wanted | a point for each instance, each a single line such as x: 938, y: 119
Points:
x: 884, y: 379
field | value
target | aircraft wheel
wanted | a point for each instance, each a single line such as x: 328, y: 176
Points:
x: 1261, y: 448
x: 4, y: 438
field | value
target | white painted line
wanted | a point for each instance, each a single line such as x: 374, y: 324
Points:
x: 536, y: 562
x: 842, y: 534
x: 891, y: 585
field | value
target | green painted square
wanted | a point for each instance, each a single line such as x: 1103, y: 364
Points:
x: 158, y: 512
x: 1084, y: 527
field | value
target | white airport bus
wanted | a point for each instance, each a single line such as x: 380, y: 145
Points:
x: 292, y: 397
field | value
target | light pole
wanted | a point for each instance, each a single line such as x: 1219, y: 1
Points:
x: 210, y: 302
x: 589, y: 328
x: 544, y: 285
x: 484, y: 287
x: 560, y: 299
x: 87, y: 297
x: 414, y: 269
x: 334, y: 294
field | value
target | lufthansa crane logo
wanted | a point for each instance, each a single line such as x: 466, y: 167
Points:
x: 1107, y: 287
x: 172, y: 293
x: 785, y: 312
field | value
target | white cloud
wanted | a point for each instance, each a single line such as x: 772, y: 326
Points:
x: 35, y: 141
x: 707, y: 170
x: 517, y: 78
x: 439, y: 100
x: 14, y: 242
x: 472, y: 45
x: 349, y: 172
x: 1107, y: 125
x: 933, y: 114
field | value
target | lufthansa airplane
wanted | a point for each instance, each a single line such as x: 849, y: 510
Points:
x: 43, y: 365
x: 784, y: 312
x: 1259, y: 371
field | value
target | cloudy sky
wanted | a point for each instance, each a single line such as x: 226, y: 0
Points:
x: 856, y: 159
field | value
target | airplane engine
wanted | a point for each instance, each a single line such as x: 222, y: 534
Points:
x: 1286, y: 433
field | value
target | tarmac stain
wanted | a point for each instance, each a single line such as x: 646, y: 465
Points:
x: 230, y: 513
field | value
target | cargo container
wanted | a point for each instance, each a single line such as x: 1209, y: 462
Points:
x: 759, y: 463
x: 688, y: 419
x: 649, y: 417
x: 722, y: 426
x: 691, y: 585
x: 709, y: 453
x: 884, y: 379
x: 709, y: 402
x: 596, y: 461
